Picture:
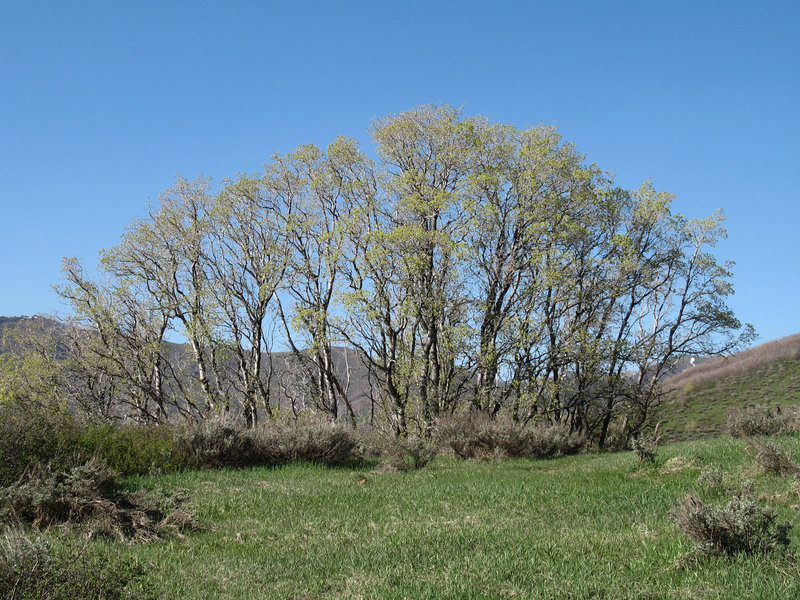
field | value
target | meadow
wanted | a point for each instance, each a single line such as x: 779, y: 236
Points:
x: 588, y: 526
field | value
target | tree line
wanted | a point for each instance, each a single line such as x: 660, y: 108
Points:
x: 472, y: 265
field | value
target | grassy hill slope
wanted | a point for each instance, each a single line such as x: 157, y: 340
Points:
x: 699, y: 399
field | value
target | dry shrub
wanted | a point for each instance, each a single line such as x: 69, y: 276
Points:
x: 216, y: 443
x: 468, y: 436
x: 408, y: 453
x: 741, y: 527
x: 645, y: 445
x: 478, y: 435
x: 711, y: 481
x: 224, y: 443
x: 31, y: 568
x: 371, y: 442
x: 397, y: 453
x: 85, y: 495
x: 774, y: 459
x: 308, y: 441
x: 549, y: 440
x: 762, y: 419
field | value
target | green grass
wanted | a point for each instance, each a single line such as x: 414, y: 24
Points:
x: 592, y: 526
x: 700, y: 411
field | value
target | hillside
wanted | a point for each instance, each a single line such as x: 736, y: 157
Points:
x: 699, y: 399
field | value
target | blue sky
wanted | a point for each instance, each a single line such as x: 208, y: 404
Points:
x: 103, y: 103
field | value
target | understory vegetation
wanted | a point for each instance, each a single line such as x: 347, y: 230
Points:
x: 700, y: 520
x: 34, y: 437
x: 85, y: 496
x: 33, y: 568
x: 483, y: 508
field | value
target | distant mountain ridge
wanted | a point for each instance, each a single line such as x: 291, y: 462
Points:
x: 700, y: 390
x: 7, y: 324
x: 348, y: 363
x: 683, y: 363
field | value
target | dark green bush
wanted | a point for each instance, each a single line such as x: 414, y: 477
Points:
x: 478, y: 435
x: 136, y: 449
x: 33, y: 435
x: 30, y: 568
x: 741, y: 527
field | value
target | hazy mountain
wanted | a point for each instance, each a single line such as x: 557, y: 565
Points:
x: 287, y: 375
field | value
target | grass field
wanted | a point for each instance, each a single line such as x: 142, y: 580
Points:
x: 592, y: 526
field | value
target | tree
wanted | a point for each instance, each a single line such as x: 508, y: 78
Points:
x: 313, y: 187
x: 527, y: 190
x: 427, y: 154
x: 677, y: 297
x: 247, y: 264
x: 472, y: 265
x: 42, y: 363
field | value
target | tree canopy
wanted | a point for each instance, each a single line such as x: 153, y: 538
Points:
x: 472, y: 265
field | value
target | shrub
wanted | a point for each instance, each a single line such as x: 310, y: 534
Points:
x: 646, y: 446
x: 86, y: 495
x: 774, y: 459
x: 741, y: 527
x: 477, y: 435
x: 467, y: 436
x: 35, y: 434
x: 310, y: 441
x: 136, y: 449
x: 31, y: 568
x: 45, y: 495
x: 371, y: 442
x: 762, y: 419
x: 216, y: 443
x: 409, y: 453
x: 32, y: 435
x: 711, y: 481
x: 550, y: 440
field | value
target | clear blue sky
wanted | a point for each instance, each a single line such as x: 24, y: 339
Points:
x: 102, y: 103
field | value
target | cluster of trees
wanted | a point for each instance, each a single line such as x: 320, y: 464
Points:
x: 472, y: 266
